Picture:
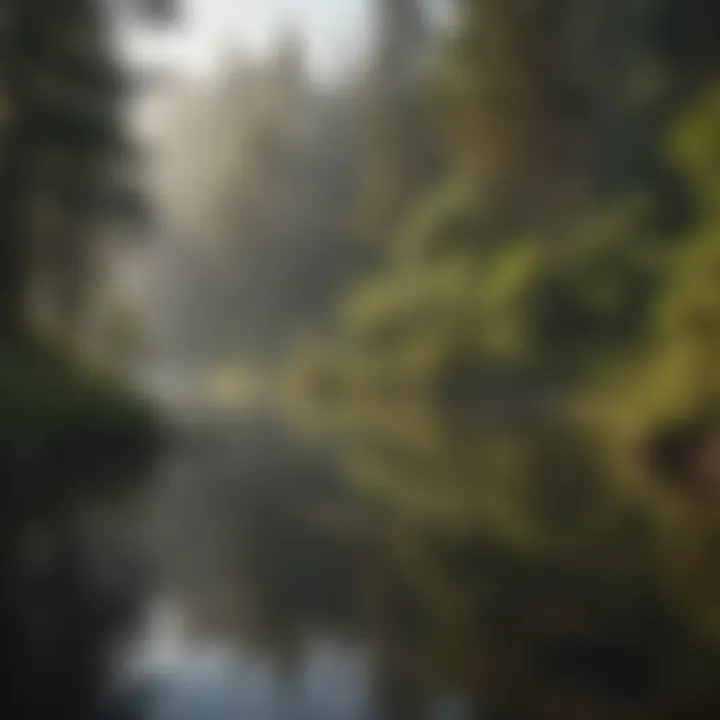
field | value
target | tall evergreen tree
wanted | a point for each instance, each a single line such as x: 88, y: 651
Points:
x: 63, y: 139
x: 66, y: 433
x: 402, y: 156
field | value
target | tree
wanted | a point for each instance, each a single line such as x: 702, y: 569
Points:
x: 470, y: 381
x: 63, y: 144
x: 270, y: 240
x: 402, y: 155
x: 69, y: 435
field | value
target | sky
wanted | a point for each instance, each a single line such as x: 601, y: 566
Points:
x: 335, y: 31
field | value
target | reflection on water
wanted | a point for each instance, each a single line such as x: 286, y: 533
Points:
x: 333, y: 680
x: 283, y: 604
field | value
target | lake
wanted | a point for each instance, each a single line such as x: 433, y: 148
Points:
x: 275, y: 598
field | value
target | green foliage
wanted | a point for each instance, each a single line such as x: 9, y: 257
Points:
x: 672, y: 378
x: 495, y: 384
x: 68, y: 433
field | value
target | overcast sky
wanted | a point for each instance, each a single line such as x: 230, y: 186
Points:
x: 335, y: 31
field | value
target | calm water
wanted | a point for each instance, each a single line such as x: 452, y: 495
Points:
x: 274, y: 598
x: 332, y: 680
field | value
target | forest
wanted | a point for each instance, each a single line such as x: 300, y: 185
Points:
x: 451, y: 320
x: 73, y: 434
x: 527, y: 383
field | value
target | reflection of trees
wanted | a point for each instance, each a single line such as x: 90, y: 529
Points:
x: 68, y: 615
x: 245, y: 498
x: 269, y: 548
